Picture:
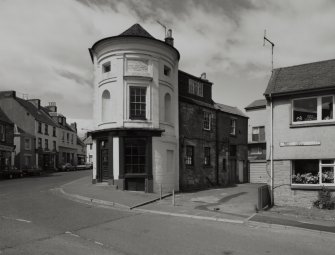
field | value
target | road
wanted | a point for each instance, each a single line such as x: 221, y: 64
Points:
x: 35, y: 220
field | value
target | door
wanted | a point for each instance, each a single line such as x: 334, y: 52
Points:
x: 104, y: 173
x: 232, y: 171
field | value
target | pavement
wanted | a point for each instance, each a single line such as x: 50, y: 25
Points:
x: 232, y: 204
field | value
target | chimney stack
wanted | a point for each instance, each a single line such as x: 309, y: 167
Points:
x: 35, y: 102
x: 169, y: 39
x: 74, y: 126
x: 52, y: 107
x: 203, y: 76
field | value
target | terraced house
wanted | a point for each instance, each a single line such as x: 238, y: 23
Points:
x: 301, y: 134
x: 43, y: 137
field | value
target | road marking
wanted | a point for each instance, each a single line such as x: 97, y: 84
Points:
x: 98, y: 243
x: 16, y: 219
x: 69, y: 233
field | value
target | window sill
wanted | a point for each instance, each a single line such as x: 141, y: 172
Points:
x: 312, y: 124
x: 311, y: 187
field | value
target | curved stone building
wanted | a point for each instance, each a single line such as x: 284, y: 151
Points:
x: 135, y: 140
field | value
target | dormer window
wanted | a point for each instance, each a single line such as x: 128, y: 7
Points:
x: 167, y: 70
x: 195, y: 88
x: 106, y: 67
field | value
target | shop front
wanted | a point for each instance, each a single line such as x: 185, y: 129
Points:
x: 6, y: 153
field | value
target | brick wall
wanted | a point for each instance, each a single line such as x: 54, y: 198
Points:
x: 283, y: 194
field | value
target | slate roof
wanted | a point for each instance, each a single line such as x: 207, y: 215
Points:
x: 38, y: 114
x: 136, y: 30
x: 305, y: 77
x: 229, y: 109
x: 260, y: 103
x: 4, y: 118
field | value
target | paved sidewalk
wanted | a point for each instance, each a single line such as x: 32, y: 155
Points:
x: 231, y: 204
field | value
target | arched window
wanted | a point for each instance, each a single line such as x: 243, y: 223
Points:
x: 167, y: 107
x: 105, y: 106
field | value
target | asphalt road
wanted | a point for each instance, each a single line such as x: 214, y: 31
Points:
x: 35, y: 220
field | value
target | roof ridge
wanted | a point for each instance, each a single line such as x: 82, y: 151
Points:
x: 136, y: 30
x: 315, y: 62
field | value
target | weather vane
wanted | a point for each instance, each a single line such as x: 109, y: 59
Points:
x: 265, y: 39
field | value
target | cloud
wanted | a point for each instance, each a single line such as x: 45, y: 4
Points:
x: 44, y: 43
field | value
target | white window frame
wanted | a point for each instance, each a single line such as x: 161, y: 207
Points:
x: 259, y: 152
x: 233, y: 126
x: 319, y: 174
x: 195, y: 87
x: 319, y: 110
x: 209, y: 121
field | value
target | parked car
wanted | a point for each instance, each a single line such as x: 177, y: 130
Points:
x: 89, y: 165
x: 35, y: 170
x: 11, y: 172
x: 81, y: 167
x: 67, y: 167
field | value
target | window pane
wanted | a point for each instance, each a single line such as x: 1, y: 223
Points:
x: 305, y: 172
x: 327, y: 108
x: 305, y: 109
x: 327, y: 161
x: 328, y: 174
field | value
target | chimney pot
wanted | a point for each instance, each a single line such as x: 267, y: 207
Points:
x: 169, y: 39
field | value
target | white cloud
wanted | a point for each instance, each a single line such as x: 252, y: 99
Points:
x: 44, y: 43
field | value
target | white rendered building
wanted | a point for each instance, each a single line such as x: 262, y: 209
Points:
x: 136, y: 140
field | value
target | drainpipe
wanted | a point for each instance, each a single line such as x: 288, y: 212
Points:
x: 217, y: 147
x: 271, y: 153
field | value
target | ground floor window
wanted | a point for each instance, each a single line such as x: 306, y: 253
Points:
x: 135, y: 155
x: 315, y: 172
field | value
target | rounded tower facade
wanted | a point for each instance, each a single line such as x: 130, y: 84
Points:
x: 136, y: 139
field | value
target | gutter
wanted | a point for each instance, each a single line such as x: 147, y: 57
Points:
x: 271, y: 152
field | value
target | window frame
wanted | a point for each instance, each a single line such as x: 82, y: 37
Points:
x: 54, y: 134
x: 195, y: 87
x: 320, y: 176
x: 207, y: 122
x: 27, y: 148
x: 135, y: 161
x: 189, y: 158
x: 138, y: 117
x: 3, y: 133
x: 259, y: 134
x: 318, y: 113
x: 232, y: 130
x: 46, y: 129
x: 207, y: 156
x: 46, y: 144
x: 259, y: 152
x: 39, y: 127
x: 106, y: 65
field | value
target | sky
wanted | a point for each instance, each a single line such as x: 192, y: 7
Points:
x: 44, y: 43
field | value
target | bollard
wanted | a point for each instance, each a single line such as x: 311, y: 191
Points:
x: 173, y: 200
x: 160, y: 191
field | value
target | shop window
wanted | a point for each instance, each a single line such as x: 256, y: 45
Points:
x: 207, y: 123
x: 195, y: 87
x: 189, y: 159
x: 27, y: 144
x: 135, y: 155
x: 207, y: 156
x: 167, y: 70
x: 137, y: 103
x: 2, y: 133
x: 167, y: 108
x: 233, y: 126
x: 258, y: 134
x: 313, y: 109
x: 313, y: 172
x: 106, y: 67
